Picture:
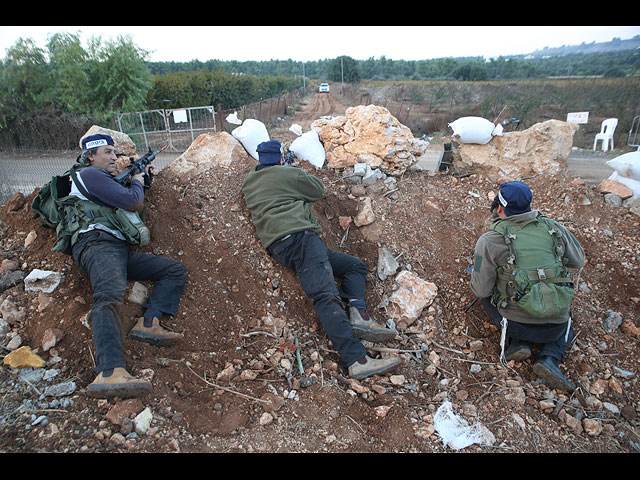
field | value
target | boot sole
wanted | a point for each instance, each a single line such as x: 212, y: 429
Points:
x: 376, y: 371
x: 370, y: 335
x: 121, y: 390
x: 156, y: 341
x: 552, y: 380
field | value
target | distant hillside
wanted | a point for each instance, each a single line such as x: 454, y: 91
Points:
x: 615, y: 45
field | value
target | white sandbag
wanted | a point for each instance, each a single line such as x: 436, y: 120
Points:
x: 474, y: 130
x: 633, y: 184
x: 251, y: 134
x: 309, y: 148
x: 295, y: 128
x: 627, y: 165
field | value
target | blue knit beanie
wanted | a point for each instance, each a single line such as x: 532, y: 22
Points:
x: 269, y: 153
x: 515, y: 197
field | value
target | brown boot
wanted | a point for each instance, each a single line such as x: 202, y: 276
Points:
x: 365, y: 328
x: 372, y: 366
x: 119, y: 384
x: 155, y: 334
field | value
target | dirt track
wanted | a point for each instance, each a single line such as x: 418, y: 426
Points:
x: 210, y: 392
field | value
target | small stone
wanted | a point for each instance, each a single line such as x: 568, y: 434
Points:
x: 142, y: 422
x: 357, y: 387
x: 51, y: 337
x: 573, y: 423
x: 382, y: 410
x: 23, y: 357
x: 265, y: 419
x: 547, y: 404
x: 598, y: 387
x: 592, y: 427
x: 397, y: 379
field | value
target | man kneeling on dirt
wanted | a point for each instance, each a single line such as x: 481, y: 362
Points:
x: 279, y: 198
x: 102, y: 250
x: 520, y: 273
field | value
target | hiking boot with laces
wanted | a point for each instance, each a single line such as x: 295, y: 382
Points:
x: 368, y: 366
x: 547, y: 368
x: 118, y: 384
x: 155, y: 334
x: 365, y: 328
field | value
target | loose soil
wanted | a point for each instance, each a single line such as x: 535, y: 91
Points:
x: 236, y: 293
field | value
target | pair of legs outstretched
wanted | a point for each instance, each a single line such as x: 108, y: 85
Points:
x: 316, y: 267
x: 110, y: 263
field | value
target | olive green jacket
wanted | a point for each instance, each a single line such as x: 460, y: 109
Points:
x: 279, y: 198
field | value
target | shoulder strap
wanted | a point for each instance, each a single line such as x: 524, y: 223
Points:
x: 83, y: 190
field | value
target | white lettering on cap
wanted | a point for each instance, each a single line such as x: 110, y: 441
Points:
x: 502, y: 200
x: 96, y: 143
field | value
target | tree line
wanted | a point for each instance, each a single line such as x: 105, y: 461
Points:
x: 606, y: 64
x: 50, y: 96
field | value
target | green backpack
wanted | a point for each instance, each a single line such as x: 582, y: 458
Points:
x: 535, y: 277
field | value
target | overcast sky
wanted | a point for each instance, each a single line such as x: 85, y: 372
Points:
x: 310, y: 43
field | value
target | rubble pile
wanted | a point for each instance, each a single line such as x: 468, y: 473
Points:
x: 539, y: 150
x: 370, y: 135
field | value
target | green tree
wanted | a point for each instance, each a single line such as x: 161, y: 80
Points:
x: 120, y: 77
x: 23, y: 78
x: 68, y: 71
x: 346, y: 66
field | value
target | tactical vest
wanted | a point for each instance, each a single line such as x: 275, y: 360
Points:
x: 69, y: 215
x: 534, y: 277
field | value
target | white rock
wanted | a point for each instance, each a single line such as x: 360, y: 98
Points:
x: 42, y: 281
x: 142, y: 422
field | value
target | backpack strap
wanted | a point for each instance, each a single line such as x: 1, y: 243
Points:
x: 80, y: 186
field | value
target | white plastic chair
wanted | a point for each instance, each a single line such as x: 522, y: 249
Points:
x: 606, y: 134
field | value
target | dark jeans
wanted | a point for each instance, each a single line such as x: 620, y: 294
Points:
x: 109, y: 262
x: 550, y: 335
x: 316, y: 266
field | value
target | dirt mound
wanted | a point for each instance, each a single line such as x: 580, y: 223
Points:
x: 232, y: 384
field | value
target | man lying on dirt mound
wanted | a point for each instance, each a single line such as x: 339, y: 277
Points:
x: 279, y: 198
x: 520, y: 274
x: 99, y: 226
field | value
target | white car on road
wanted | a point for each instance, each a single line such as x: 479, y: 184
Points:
x: 324, y: 87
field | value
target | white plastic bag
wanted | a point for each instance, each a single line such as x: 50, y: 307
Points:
x: 474, y: 130
x: 295, y: 128
x: 633, y: 184
x: 233, y: 118
x: 454, y: 431
x: 309, y: 148
x: 627, y: 165
x: 251, y: 134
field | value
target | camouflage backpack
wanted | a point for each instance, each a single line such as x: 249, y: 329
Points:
x: 535, y: 277
x: 68, y: 215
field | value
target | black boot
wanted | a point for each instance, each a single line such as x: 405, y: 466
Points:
x: 517, y: 350
x: 547, y: 368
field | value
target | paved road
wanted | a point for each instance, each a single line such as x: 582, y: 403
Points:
x: 25, y: 172
x: 590, y: 166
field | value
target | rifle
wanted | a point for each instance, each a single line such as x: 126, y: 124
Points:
x: 138, y: 166
x: 289, y: 158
